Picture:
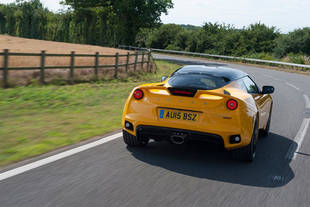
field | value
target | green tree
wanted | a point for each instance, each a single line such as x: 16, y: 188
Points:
x: 164, y: 36
x: 182, y: 38
x: 260, y: 38
x: 129, y: 15
x: 295, y: 42
x: 142, y: 37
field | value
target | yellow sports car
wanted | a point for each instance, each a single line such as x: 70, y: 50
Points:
x: 198, y: 102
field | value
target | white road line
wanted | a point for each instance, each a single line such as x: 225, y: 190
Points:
x: 299, y: 138
x: 56, y: 157
x: 307, y: 101
x: 293, y: 86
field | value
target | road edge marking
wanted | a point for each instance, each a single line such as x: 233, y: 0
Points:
x: 299, y: 138
x: 53, y: 158
x: 293, y: 86
x: 307, y: 101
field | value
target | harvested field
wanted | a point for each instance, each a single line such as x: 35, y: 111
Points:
x: 23, y: 45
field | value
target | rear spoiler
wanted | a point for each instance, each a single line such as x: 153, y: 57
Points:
x: 187, y: 92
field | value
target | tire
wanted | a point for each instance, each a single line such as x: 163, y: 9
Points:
x: 247, y: 153
x: 134, y: 141
x: 265, y: 132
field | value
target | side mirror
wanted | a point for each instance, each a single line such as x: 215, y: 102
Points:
x: 164, y: 78
x: 268, y: 90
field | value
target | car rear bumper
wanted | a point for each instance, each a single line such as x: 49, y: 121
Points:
x: 164, y: 133
x: 159, y: 131
x: 210, y: 125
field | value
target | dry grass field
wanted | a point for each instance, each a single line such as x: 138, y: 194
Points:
x: 23, y: 45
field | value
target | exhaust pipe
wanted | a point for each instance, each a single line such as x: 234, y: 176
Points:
x: 178, y: 139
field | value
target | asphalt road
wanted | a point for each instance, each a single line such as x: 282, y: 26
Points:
x: 201, y: 175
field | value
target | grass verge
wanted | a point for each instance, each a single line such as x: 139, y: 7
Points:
x: 38, y: 119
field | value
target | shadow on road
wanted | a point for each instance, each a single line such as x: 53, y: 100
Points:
x: 191, y: 62
x: 202, y: 160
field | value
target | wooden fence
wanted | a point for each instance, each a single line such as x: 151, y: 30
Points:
x: 145, y: 59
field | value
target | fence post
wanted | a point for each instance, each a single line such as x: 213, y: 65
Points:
x: 136, y: 60
x: 72, y: 66
x: 5, y: 68
x: 42, y: 69
x: 116, y: 66
x: 148, y: 60
x: 96, y: 65
x: 127, y: 61
x: 142, y: 62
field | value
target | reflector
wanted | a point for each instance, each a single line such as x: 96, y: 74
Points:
x: 138, y: 94
x: 232, y: 104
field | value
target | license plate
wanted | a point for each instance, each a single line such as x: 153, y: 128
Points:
x: 178, y: 115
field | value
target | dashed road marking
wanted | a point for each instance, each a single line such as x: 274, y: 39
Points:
x: 56, y: 157
x: 299, y: 138
x: 293, y: 86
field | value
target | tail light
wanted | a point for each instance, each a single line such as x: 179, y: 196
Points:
x: 138, y: 94
x: 232, y: 104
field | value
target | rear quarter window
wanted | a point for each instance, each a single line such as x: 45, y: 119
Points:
x: 242, y: 86
x: 250, y: 85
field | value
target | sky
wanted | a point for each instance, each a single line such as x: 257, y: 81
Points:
x: 50, y: 4
x: 286, y: 15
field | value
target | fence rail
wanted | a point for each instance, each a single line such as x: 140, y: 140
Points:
x: 249, y: 60
x: 6, y: 54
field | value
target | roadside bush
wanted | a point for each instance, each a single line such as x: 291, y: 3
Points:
x: 173, y: 47
x: 262, y: 56
x: 296, y: 58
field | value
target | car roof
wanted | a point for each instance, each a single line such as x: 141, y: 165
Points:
x: 225, y: 72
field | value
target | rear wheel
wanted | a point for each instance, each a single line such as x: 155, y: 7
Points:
x: 134, y: 141
x: 248, y: 153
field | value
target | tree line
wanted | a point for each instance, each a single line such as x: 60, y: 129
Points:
x: 137, y: 22
x: 97, y: 22
x: 256, y: 40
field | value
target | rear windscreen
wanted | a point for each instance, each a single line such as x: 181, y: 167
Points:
x: 197, y: 81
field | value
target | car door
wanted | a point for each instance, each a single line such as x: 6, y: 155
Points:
x: 261, y: 100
